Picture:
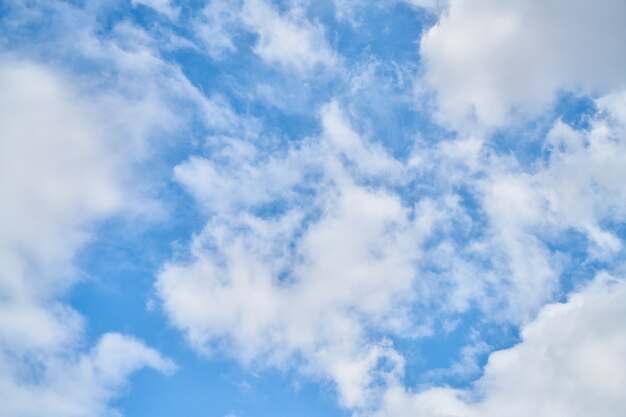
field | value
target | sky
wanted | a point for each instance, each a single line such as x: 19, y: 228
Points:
x: 337, y: 208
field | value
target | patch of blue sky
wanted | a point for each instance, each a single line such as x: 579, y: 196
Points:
x: 384, y: 109
x: 524, y: 143
x: 475, y: 227
x: 571, y: 250
x: 120, y: 264
x: 388, y: 31
x: 526, y: 140
x: 455, y: 353
x: 214, y: 387
x: 287, y: 107
x: 217, y: 387
x: 575, y: 110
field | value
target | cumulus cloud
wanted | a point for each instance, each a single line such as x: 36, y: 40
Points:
x: 570, y: 362
x: 288, y: 40
x: 47, y: 142
x: 78, y: 386
x: 316, y: 253
x: 522, y: 210
x: 67, y: 161
x: 55, y: 180
x: 58, y: 174
x: 296, y: 257
x: 576, y: 188
x: 489, y: 59
x: 305, y: 284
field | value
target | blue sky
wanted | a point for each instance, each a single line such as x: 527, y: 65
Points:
x: 251, y: 208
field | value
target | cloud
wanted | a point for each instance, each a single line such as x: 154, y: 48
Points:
x: 518, y: 212
x: 576, y: 188
x: 318, y: 254
x: 55, y: 179
x: 216, y: 26
x: 570, y: 362
x: 295, y: 257
x: 58, y: 175
x: 304, y: 284
x: 288, y: 40
x: 68, y: 160
x: 488, y: 60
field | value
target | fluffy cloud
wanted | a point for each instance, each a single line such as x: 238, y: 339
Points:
x: 75, y: 386
x: 288, y: 40
x: 58, y: 174
x: 306, y: 283
x: 67, y: 160
x: 295, y: 258
x: 570, y: 362
x: 576, y: 188
x: 55, y: 179
x: 315, y: 254
x: 489, y: 59
x: 522, y: 210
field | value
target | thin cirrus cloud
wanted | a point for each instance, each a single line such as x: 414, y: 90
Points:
x: 356, y: 218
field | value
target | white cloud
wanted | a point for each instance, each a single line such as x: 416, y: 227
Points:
x: 46, y: 137
x: 570, y: 362
x: 311, y: 281
x: 285, y: 39
x: 55, y: 178
x: 302, y: 287
x: 288, y: 40
x: 309, y: 253
x: 75, y: 386
x: 523, y: 209
x: 219, y: 186
x: 216, y: 26
x: 58, y: 174
x: 488, y: 59
x: 583, y: 186
x: 368, y: 159
x: 577, y: 188
x: 67, y: 156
